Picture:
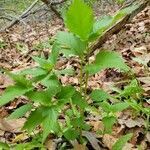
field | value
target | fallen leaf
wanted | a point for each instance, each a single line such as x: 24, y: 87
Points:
x: 50, y: 144
x: 14, y: 125
x: 130, y: 123
x: 92, y: 139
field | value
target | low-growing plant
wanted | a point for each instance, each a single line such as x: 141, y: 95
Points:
x: 133, y: 96
x: 49, y: 99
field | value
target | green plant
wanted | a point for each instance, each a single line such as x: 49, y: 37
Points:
x: 33, y: 144
x: 49, y: 98
x: 133, y: 95
x: 121, y: 142
x: 2, y: 44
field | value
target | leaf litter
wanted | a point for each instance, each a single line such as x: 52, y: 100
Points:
x: 132, y: 42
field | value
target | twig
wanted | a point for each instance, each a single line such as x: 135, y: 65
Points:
x: 20, y: 17
x: 51, y: 6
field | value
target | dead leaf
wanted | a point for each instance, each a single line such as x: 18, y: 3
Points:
x: 130, y: 123
x: 50, y: 144
x: 14, y: 125
x: 92, y: 139
x: 5, y: 81
x: 78, y: 146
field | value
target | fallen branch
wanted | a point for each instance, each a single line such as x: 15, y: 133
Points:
x: 117, y: 27
x: 20, y: 17
x: 52, y: 8
x: 47, y: 2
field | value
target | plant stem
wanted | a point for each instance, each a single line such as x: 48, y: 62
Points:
x: 86, y: 84
x: 81, y: 77
x: 81, y: 91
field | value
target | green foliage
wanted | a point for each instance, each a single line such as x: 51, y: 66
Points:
x: 71, y: 134
x: 121, y: 142
x: 2, y: 44
x: 21, y: 111
x: 108, y: 121
x: 106, y: 59
x: 109, y: 116
x: 79, y: 19
x: 70, y: 44
x: 53, y: 99
x: 13, y: 92
x: 132, y: 89
x: 99, y: 95
x: 4, y: 146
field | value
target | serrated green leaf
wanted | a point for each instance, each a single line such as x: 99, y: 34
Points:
x: 119, y: 107
x: 20, y: 112
x: 102, y: 23
x: 106, y: 59
x: 36, y: 117
x: 51, y: 82
x: 50, y: 123
x: 12, y: 92
x: 66, y: 92
x: 79, y: 100
x: 134, y: 105
x: 43, y: 97
x: 122, y: 141
x: 99, y: 95
x: 132, y: 89
x: 37, y: 71
x: 69, y: 71
x: 105, y: 106
x: 71, y: 43
x: 71, y: 134
x: 108, y: 121
x: 20, y: 79
x: 100, y: 26
x: 79, y: 19
x: 121, y: 13
x: 54, y: 53
x: 77, y: 122
x: 45, y: 64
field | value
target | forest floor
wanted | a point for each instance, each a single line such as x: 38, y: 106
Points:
x: 133, y: 43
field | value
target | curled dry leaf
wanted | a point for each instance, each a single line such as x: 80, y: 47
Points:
x: 130, y: 123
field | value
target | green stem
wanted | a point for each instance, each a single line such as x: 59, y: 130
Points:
x: 86, y: 84
x: 81, y: 91
x: 81, y: 77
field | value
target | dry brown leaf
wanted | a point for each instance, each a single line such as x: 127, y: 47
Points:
x: 78, y: 146
x: 14, y: 125
x: 145, y: 80
x: 97, y: 125
x: 50, y: 144
x: 130, y: 123
x: 5, y: 81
